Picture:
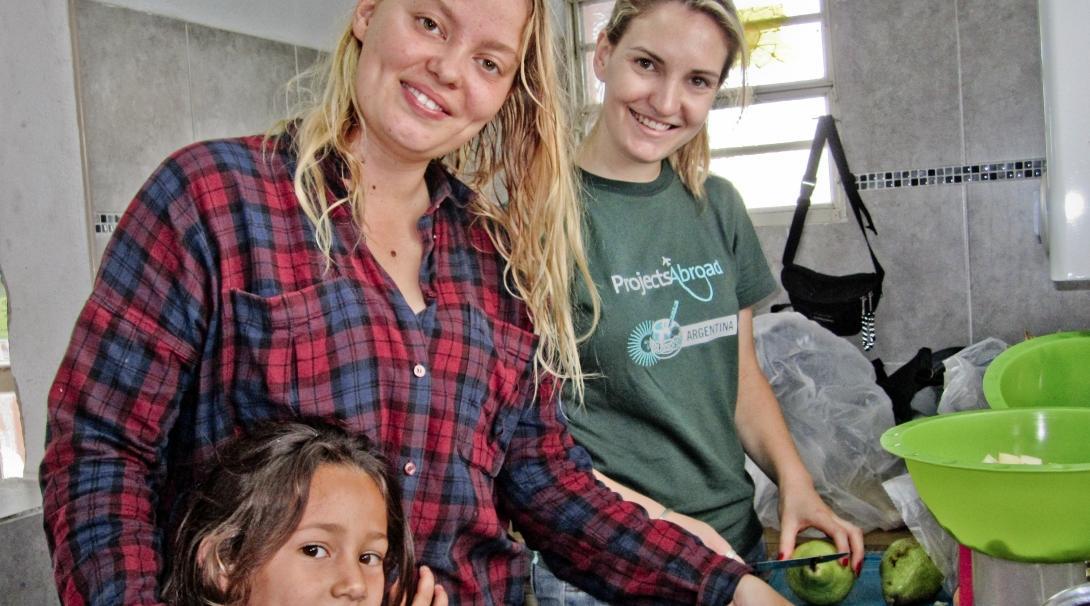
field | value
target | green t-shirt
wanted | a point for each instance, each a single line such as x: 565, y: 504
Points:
x: 672, y: 273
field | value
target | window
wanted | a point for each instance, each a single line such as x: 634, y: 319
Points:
x: 12, y: 453
x: 762, y: 149
x: 5, y: 355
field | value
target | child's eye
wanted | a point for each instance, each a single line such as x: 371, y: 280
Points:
x: 645, y: 63
x: 314, y: 551
x: 371, y: 559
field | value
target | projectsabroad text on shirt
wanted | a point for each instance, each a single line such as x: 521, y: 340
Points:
x: 652, y: 341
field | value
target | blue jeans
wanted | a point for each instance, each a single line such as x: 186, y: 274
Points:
x: 551, y: 591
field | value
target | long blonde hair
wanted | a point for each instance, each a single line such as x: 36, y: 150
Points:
x: 524, y: 151
x: 691, y: 161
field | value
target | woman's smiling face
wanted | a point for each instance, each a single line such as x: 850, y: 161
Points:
x: 432, y: 73
x: 661, y: 80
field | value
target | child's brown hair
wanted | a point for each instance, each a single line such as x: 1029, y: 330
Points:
x: 252, y: 501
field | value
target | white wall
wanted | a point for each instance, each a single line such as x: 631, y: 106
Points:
x: 44, y: 240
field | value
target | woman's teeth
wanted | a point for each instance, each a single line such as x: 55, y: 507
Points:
x: 424, y: 99
x: 649, y: 123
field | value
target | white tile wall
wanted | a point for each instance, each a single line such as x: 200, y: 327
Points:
x: 925, y: 83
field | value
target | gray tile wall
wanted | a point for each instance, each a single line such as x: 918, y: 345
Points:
x: 923, y: 83
x: 132, y: 74
x: 150, y: 85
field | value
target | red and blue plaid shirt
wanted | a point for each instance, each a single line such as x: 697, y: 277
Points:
x: 213, y: 310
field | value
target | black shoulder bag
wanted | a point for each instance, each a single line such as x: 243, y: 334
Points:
x: 843, y: 304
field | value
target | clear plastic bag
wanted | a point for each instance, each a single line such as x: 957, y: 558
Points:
x: 836, y: 414
x: 964, y: 376
x: 938, y: 543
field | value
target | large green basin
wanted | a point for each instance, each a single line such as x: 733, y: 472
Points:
x: 1027, y: 513
x: 1052, y: 370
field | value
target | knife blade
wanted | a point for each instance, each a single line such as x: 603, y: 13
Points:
x: 791, y: 563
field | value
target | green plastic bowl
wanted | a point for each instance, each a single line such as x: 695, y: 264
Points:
x: 1052, y: 370
x: 1026, y: 513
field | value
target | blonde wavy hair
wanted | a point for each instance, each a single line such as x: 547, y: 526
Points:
x: 691, y: 161
x: 524, y: 152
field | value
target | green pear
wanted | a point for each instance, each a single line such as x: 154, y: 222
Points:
x: 908, y: 574
x: 820, y: 584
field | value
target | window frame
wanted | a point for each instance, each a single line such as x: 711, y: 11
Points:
x: 781, y: 215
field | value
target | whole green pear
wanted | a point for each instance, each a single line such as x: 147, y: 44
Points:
x: 908, y: 574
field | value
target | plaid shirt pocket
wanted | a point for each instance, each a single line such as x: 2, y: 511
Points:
x: 297, y: 352
x: 501, y: 368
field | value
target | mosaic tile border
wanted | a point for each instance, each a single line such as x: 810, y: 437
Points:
x: 943, y: 175
x: 106, y: 223
x: 950, y: 175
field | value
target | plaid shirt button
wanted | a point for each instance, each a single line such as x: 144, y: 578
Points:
x: 410, y: 468
x: 420, y: 371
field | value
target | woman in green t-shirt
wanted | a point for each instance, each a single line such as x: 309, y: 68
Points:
x: 680, y: 399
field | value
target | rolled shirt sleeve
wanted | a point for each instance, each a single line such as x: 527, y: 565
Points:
x: 589, y: 535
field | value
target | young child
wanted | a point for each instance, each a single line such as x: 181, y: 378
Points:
x: 297, y: 513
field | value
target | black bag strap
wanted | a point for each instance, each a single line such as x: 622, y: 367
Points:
x: 826, y: 132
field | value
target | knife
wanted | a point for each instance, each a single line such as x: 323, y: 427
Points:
x: 791, y: 563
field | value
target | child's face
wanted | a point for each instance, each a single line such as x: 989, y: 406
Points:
x: 335, y: 555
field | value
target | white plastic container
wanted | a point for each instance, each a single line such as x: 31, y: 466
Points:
x: 1065, y: 48
x: 999, y: 582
